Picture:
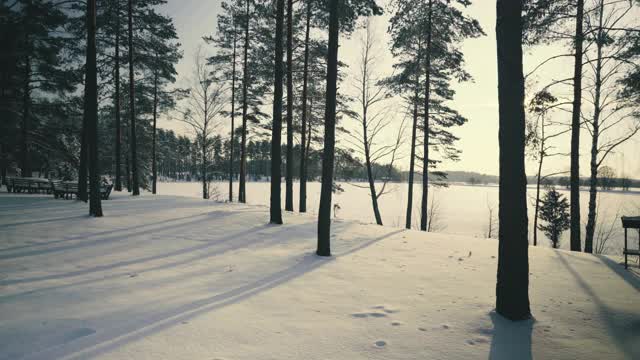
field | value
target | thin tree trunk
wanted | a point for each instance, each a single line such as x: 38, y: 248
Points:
x: 537, y: 208
x: 324, y: 213
x: 425, y: 159
x: 303, y: 132
x: 26, y: 156
x: 233, y: 114
x: 538, y: 181
x: 243, y: 144
x: 575, y: 130
x: 372, y: 186
x: 276, y: 130
x: 593, y: 179
x: 154, y: 169
x: 289, y: 175
x: 118, y: 139
x: 91, y: 111
x: 512, y: 289
x: 84, y: 153
x: 132, y: 125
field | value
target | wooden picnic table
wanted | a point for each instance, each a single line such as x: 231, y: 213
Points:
x: 630, y: 222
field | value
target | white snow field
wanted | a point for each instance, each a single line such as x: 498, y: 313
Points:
x: 167, y: 277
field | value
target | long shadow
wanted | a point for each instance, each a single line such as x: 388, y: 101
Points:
x: 511, y: 339
x: 104, y: 341
x: 628, y: 276
x: 40, y: 221
x: 106, y: 232
x: 617, y: 331
x: 142, y: 260
x: 213, y: 253
x: 112, y: 239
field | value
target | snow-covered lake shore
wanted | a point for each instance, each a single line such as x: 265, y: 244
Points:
x: 460, y: 209
x: 167, y: 277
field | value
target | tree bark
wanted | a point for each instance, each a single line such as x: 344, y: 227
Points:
x: 324, y: 213
x: 597, y: 108
x: 538, y: 181
x: 118, y: 139
x: 414, y: 129
x: 132, y: 125
x: 276, y: 130
x: 288, y: 202
x: 425, y: 158
x: 575, y: 130
x: 302, y: 207
x: 91, y: 112
x: 154, y: 169
x: 233, y: 113
x: 26, y: 156
x: 84, y: 151
x: 512, y: 289
x: 372, y: 186
x: 243, y: 144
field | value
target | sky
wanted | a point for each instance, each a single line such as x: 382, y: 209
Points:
x: 477, y: 100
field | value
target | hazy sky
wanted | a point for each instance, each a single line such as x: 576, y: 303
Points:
x: 476, y: 100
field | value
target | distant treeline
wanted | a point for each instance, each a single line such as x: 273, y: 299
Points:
x: 604, y: 182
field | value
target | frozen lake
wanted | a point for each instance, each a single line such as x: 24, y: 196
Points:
x: 461, y: 210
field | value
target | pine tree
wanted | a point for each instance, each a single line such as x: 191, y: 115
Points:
x: 426, y: 37
x: 554, y: 211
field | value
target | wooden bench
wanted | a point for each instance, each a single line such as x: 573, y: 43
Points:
x: 28, y: 185
x: 630, y: 222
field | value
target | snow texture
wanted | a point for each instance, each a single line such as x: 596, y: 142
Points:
x: 167, y: 277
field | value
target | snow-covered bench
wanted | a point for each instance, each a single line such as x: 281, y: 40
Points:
x: 630, y: 222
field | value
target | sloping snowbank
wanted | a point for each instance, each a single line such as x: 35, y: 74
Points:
x: 177, y: 278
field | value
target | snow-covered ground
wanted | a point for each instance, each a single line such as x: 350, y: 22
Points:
x: 166, y: 277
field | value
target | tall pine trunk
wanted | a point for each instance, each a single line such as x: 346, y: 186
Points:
x: 242, y: 197
x: 575, y: 130
x: 425, y: 146
x: 118, y: 139
x: 154, y: 168
x: 276, y: 129
x: 412, y: 158
x: 91, y: 112
x: 132, y: 125
x: 233, y: 113
x: 303, y: 119
x: 328, y: 153
x: 595, y: 134
x: 288, y: 202
x: 512, y: 289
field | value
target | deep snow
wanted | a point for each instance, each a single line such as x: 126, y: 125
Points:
x: 165, y: 277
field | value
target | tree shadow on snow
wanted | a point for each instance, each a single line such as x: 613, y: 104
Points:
x: 622, y: 326
x: 110, y: 339
x: 511, y: 339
